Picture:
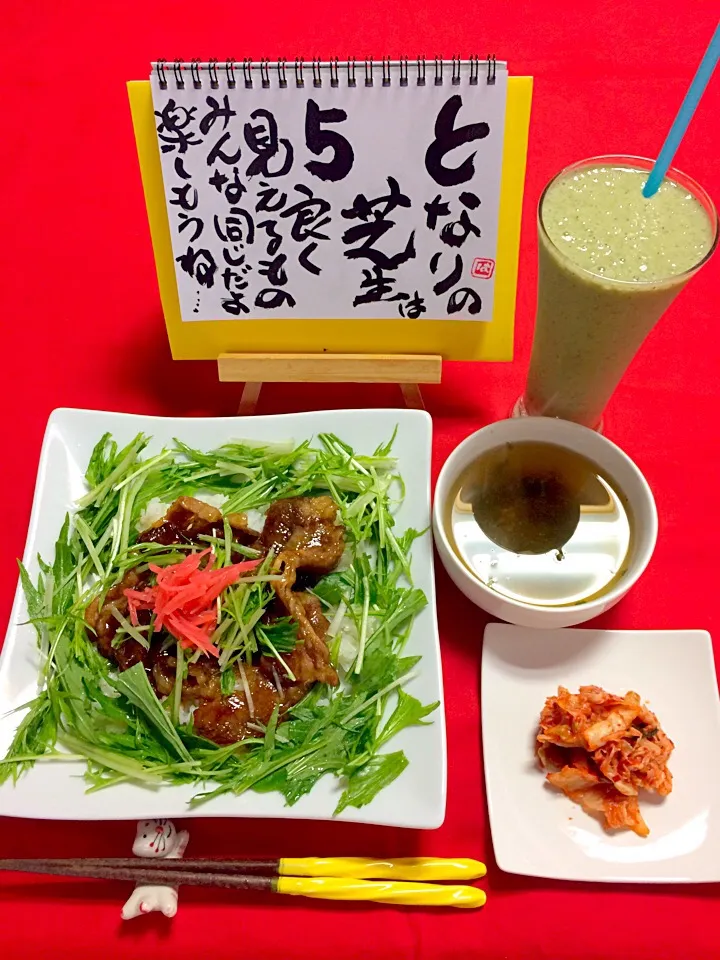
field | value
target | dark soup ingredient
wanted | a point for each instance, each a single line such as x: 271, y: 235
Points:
x: 539, y: 523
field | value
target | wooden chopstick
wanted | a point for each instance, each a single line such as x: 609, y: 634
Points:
x: 217, y: 873
x: 212, y: 873
x: 251, y: 868
x: 360, y: 868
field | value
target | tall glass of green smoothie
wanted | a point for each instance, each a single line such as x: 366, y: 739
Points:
x: 610, y: 263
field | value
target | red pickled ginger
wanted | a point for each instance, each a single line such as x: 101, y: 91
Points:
x: 183, y: 599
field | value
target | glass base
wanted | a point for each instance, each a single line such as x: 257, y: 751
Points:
x: 520, y: 410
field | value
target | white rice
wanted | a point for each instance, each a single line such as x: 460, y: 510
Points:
x: 153, y: 512
x: 107, y: 689
x: 214, y: 499
x: 346, y: 560
x: 186, y: 713
x: 256, y: 519
x: 350, y: 641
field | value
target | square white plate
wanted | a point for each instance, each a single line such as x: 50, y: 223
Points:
x: 536, y: 830
x: 57, y: 790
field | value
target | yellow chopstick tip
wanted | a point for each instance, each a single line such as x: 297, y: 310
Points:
x: 460, y: 869
x: 397, y: 892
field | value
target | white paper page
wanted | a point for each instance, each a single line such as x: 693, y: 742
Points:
x: 275, y: 195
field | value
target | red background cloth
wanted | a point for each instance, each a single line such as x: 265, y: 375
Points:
x: 82, y: 326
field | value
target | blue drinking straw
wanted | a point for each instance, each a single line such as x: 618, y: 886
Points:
x: 684, y: 116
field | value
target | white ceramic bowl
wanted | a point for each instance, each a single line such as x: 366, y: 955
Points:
x: 590, y: 444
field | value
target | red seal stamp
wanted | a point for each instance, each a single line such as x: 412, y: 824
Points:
x: 482, y: 268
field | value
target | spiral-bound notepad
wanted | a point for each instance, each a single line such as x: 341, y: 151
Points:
x: 327, y: 190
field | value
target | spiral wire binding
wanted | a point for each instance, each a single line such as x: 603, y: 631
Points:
x: 455, y: 71
x: 492, y: 69
x: 299, y: 79
x: 160, y: 73
x: 316, y: 72
x: 212, y: 68
x: 177, y: 70
x: 212, y: 73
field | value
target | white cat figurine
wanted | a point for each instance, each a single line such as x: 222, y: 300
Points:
x: 157, y: 839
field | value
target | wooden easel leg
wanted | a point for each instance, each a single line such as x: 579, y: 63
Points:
x: 412, y: 396
x: 249, y: 399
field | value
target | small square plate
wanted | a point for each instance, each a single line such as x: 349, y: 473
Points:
x: 537, y: 831
x: 57, y: 790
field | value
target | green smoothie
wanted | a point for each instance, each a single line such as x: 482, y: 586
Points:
x: 610, y: 262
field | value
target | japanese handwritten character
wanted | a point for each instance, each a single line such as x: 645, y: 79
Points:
x: 305, y: 261
x: 435, y: 209
x: 460, y: 297
x: 377, y: 285
x: 274, y: 270
x: 267, y: 201
x: 195, y: 222
x: 239, y: 226
x: 234, y: 304
x: 174, y: 127
x: 232, y: 280
x: 235, y: 189
x: 217, y: 152
x: 200, y: 265
x: 181, y: 197
x: 180, y: 169
x: 307, y: 215
x: 455, y: 233
x: 218, y: 180
x: 447, y: 138
x: 270, y: 299
x: 414, y: 308
x: 442, y: 286
x: 216, y: 112
x: 374, y: 214
x: 236, y: 261
x: 275, y: 239
x: 262, y: 140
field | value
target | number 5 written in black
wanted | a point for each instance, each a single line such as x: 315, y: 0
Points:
x: 318, y: 140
